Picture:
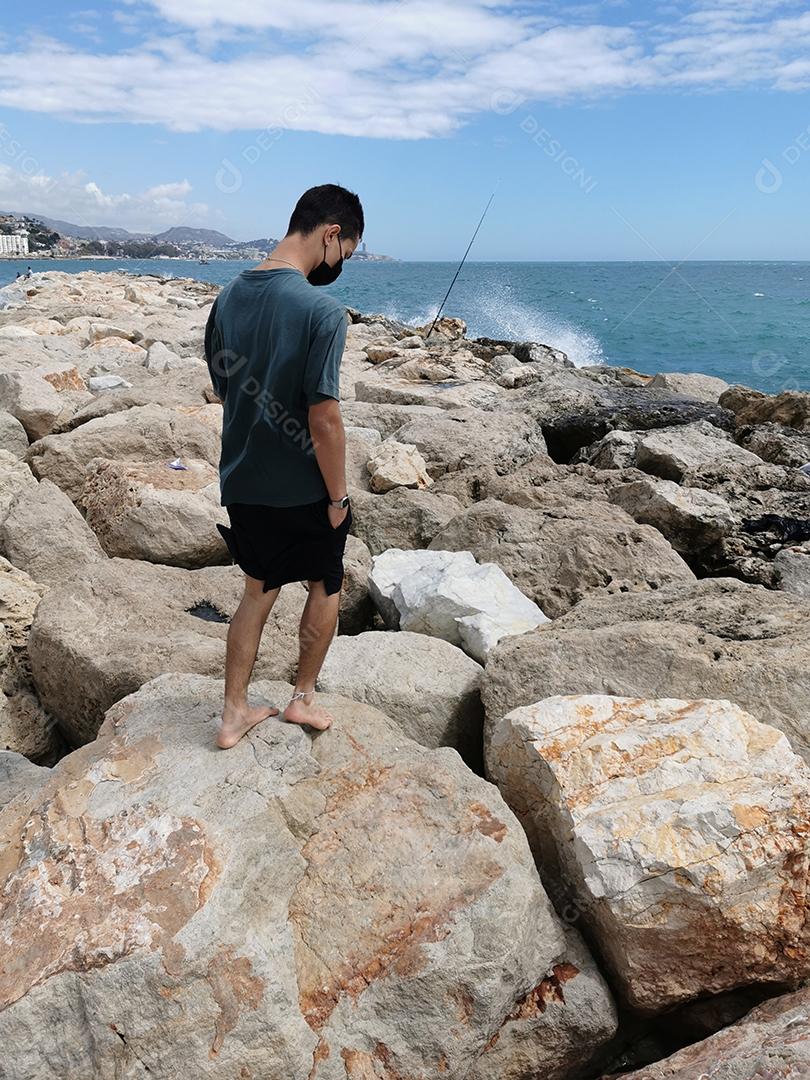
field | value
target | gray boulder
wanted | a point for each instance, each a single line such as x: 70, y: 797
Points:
x: 466, y: 438
x: 691, y: 384
x: 99, y: 636
x: 690, y: 518
x: 428, y: 686
x: 13, y: 437
x: 792, y: 570
x: 671, y: 452
x: 559, y: 555
x: 402, y: 518
x: 716, y: 638
x: 44, y: 534
x: 143, y: 433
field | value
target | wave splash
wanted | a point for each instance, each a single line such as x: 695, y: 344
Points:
x: 494, y: 313
x: 501, y: 316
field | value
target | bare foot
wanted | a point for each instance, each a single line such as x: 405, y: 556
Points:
x: 299, y: 712
x: 236, y: 722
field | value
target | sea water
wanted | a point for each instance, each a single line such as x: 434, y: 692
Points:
x: 746, y: 322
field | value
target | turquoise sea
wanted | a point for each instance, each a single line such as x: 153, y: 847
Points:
x: 746, y: 322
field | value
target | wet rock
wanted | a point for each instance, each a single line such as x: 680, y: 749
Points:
x: 772, y: 506
x: 576, y: 411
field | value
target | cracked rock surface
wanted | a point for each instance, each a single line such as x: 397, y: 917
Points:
x: 679, y: 829
x: 246, y: 913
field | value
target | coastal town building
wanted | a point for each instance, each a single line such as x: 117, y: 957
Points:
x: 15, y: 243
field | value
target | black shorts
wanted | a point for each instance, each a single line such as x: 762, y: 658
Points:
x: 280, y: 544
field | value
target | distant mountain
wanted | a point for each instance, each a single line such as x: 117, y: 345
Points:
x: 266, y: 243
x: 181, y: 234
x: 80, y: 232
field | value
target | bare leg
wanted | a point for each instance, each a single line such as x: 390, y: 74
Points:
x: 315, y: 636
x: 244, y: 635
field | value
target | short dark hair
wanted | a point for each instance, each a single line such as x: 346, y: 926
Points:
x: 328, y: 204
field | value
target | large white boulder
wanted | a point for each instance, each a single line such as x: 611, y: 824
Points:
x: 447, y: 594
x: 680, y: 829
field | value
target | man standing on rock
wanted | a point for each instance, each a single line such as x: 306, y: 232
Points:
x: 273, y: 344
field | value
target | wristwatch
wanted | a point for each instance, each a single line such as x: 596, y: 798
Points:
x: 340, y: 504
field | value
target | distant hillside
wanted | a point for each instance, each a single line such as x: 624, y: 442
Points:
x: 266, y: 243
x: 80, y: 232
x: 181, y: 234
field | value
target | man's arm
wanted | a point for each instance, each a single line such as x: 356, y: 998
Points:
x: 214, y: 356
x: 329, y: 441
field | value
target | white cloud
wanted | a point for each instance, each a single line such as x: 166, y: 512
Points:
x: 76, y: 198
x: 394, y: 68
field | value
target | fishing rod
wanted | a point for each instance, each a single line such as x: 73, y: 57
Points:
x: 461, y: 264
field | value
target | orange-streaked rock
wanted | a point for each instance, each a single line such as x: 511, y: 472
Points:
x: 679, y: 828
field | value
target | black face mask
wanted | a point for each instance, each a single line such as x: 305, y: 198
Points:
x: 326, y: 274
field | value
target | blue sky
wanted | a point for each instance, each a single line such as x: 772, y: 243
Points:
x: 617, y: 130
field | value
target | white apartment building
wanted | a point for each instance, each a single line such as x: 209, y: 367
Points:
x: 16, y: 244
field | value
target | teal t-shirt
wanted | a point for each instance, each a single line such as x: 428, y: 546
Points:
x: 273, y: 344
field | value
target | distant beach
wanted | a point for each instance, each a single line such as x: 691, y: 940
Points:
x: 745, y: 322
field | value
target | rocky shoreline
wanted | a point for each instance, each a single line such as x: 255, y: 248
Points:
x: 560, y: 828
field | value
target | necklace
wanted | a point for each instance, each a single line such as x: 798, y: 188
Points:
x: 298, y: 268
